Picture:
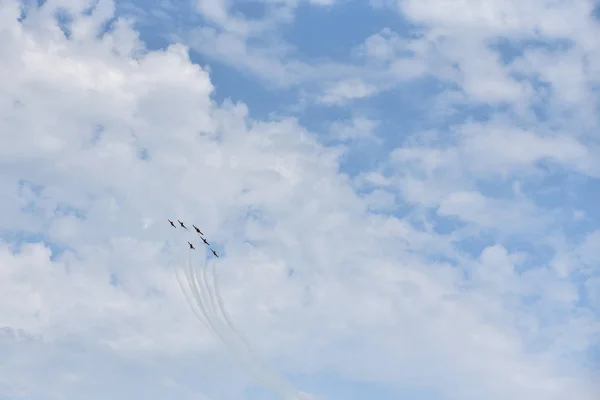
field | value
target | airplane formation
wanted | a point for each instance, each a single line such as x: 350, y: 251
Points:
x: 197, y: 231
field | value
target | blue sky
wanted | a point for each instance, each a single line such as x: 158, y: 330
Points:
x: 403, y: 195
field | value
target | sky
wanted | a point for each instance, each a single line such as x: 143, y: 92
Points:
x: 402, y: 193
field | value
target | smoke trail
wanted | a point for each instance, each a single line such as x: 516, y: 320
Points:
x: 197, y: 293
x: 189, y: 295
x: 221, y: 307
x: 278, y: 380
x: 207, y: 289
x: 273, y: 380
x: 206, y: 302
x: 200, y: 290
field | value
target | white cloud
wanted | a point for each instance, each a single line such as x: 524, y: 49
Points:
x: 507, y: 216
x: 456, y: 42
x: 501, y: 148
x: 256, y: 46
x: 384, y: 46
x: 323, y: 2
x: 356, y: 128
x: 341, y: 92
x: 593, y: 291
x: 447, y: 176
x: 372, y: 297
x: 509, y: 18
x: 267, y: 63
x: 381, y: 200
x: 588, y: 251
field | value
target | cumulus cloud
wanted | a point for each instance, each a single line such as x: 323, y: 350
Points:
x: 341, y: 92
x: 369, y: 279
x: 356, y: 128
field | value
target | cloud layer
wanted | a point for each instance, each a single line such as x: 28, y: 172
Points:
x: 413, y: 219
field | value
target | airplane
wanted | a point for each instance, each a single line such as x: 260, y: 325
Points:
x: 181, y: 223
x: 214, y: 253
x: 191, y: 246
x: 205, y: 242
x: 198, y: 230
x: 171, y: 222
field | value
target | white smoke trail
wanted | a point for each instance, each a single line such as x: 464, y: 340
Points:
x: 273, y: 380
x: 208, y: 295
x: 193, y: 295
x: 221, y: 307
x: 197, y: 292
x: 187, y: 292
x: 268, y: 378
x: 200, y: 290
x: 204, y: 298
x: 273, y: 376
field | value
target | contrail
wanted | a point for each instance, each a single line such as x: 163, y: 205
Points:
x: 204, y: 298
x: 200, y: 289
x: 224, y: 312
x: 273, y: 381
x: 279, y: 381
x: 187, y: 292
